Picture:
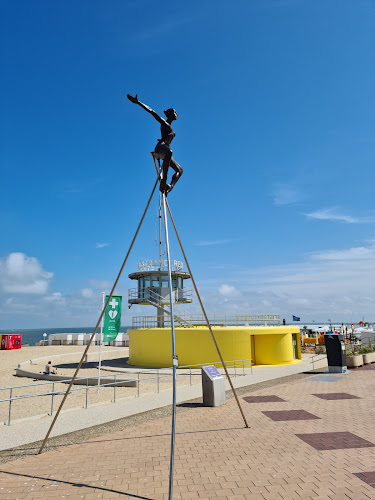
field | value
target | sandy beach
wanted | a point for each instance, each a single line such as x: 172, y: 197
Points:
x: 41, y: 406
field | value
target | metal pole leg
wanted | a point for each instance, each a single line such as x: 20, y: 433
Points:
x: 174, y: 357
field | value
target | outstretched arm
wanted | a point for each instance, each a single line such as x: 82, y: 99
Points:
x: 144, y: 106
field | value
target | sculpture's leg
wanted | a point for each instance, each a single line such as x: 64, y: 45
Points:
x: 163, y: 182
x: 178, y: 172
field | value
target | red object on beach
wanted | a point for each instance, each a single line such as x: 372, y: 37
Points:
x: 11, y: 341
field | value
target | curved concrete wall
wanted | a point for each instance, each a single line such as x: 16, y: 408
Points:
x: 74, y: 356
x: 120, y: 382
x: 194, y: 346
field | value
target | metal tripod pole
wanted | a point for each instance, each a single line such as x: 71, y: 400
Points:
x: 207, y: 321
x: 174, y: 357
x: 100, y: 318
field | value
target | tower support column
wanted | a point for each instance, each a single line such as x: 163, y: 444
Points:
x: 160, y: 318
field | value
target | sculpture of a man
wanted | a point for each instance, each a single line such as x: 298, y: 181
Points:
x: 163, y: 146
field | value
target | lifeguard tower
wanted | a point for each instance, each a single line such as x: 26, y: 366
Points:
x: 152, y: 289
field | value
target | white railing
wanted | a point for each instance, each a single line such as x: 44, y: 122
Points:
x: 117, y: 381
x: 313, y: 361
x: 198, y: 320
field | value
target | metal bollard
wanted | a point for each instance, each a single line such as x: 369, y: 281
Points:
x: 53, y: 393
x: 190, y: 375
x: 138, y: 386
x: 243, y: 367
x: 87, y: 390
x: 10, y: 404
x: 114, y: 391
x: 158, y: 381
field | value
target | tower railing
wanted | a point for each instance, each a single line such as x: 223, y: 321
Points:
x: 182, y: 294
x: 215, y: 320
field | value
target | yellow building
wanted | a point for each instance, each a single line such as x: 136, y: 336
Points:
x: 239, y: 338
x: 264, y: 345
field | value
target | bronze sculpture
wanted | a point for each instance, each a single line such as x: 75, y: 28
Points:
x: 162, y: 148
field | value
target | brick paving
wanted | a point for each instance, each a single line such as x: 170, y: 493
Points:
x: 334, y: 440
x: 280, y: 416
x: 216, y: 457
x: 335, y: 395
x: 264, y: 399
x: 367, y: 477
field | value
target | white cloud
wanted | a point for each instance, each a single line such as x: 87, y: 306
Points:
x: 87, y: 293
x: 101, y: 245
x: 228, y: 291
x: 354, y: 253
x: 332, y: 214
x: 22, y: 274
x: 55, y: 298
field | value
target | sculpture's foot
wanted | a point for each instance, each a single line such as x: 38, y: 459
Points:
x: 168, y: 188
x: 162, y: 187
x: 165, y: 188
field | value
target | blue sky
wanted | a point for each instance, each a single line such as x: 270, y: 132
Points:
x: 275, y: 133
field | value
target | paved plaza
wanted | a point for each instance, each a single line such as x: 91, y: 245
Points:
x: 310, y: 438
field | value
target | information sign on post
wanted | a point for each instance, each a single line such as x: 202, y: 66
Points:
x: 213, y: 386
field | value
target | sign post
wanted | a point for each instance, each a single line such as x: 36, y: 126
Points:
x: 100, y: 340
x: 112, y: 323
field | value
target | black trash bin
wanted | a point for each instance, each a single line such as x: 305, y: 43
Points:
x: 336, y: 352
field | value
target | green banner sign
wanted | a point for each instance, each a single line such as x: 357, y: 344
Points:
x: 112, y: 318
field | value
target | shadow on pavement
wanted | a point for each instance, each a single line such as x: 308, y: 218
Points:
x: 77, y: 485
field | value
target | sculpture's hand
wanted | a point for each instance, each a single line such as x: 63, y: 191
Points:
x: 133, y: 99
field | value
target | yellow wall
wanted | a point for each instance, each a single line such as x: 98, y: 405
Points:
x: 194, y: 346
x: 273, y: 349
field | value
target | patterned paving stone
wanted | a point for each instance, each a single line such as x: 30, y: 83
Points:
x: 290, y: 415
x: 263, y: 399
x: 334, y: 440
x: 324, y: 378
x: 367, y: 477
x: 336, y: 395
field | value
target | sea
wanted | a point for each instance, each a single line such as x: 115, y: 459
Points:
x: 30, y: 336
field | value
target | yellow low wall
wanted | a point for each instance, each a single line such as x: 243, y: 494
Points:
x: 268, y: 345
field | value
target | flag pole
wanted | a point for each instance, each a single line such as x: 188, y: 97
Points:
x: 100, y: 340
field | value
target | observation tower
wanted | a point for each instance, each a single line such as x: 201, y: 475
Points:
x: 152, y: 289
